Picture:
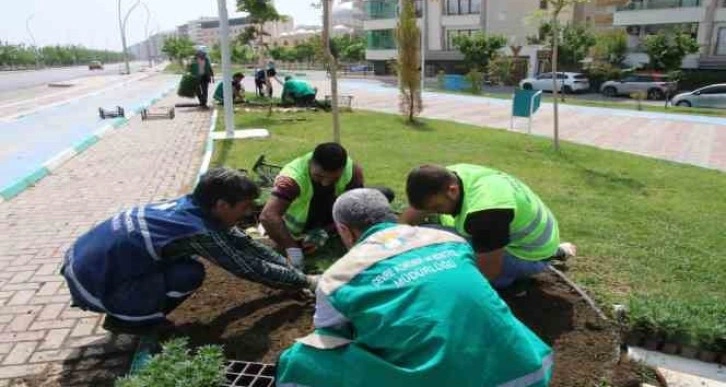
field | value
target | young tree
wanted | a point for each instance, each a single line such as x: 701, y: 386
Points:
x: 178, y: 48
x: 667, y: 49
x: 611, y: 47
x: 577, y: 39
x: 479, y: 49
x: 259, y: 12
x: 554, y: 9
x: 408, y: 37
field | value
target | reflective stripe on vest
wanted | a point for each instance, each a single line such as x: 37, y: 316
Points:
x: 296, y: 215
x: 534, y: 234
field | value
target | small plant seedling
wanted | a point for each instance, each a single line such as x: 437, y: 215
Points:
x: 177, y: 366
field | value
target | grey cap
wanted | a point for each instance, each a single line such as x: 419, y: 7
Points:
x: 362, y: 208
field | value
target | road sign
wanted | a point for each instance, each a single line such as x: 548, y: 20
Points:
x: 524, y: 104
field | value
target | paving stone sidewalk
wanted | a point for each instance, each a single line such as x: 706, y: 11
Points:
x: 42, y: 340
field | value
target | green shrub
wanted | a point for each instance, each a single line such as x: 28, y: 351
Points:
x: 177, y: 366
x: 476, y: 79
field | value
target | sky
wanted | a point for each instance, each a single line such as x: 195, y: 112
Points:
x: 94, y: 23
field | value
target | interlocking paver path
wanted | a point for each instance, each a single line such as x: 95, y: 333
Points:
x: 39, y: 332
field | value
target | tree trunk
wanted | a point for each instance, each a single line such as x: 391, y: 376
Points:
x: 333, y: 63
x: 555, y: 38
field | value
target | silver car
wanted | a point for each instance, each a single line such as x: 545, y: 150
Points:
x: 712, y: 96
x: 655, y: 86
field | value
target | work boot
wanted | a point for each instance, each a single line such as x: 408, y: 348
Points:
x: 118, y: 326
x: 565, y: 251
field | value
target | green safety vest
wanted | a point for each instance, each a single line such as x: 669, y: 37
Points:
x: 533, y: 233
x: 299, y: 170
x: 419, y: 314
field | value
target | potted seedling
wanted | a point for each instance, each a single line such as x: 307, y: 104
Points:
x: 176, y: 365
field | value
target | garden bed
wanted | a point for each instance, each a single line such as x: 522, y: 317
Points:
x: 255, y: 324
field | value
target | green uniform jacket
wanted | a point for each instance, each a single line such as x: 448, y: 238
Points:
x: 299, y: 170
x: 407, y: 306
x: 533, y: 233
x: 297, y: 88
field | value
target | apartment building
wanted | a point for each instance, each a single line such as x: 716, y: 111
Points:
x: 205, y: 30
x: 704, y: 19
x: 446, y: 19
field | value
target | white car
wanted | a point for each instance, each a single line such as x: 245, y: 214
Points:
x: 567, y: 83
x: 713, y: 96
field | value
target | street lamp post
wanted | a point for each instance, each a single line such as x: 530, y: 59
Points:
x: 226, y: 68
x: 32, y: 38
x: 146, y: 34
x: 122, y: 28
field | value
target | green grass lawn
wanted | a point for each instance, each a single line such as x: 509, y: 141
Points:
x: 650, y: 233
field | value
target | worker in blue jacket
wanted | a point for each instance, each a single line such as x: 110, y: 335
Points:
x: 139, y: 265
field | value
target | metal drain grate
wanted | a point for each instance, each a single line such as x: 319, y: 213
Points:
x: 249, y: 374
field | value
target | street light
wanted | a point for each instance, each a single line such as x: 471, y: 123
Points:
x: 32, y: 38
x: 122, y: 27
x: 146, y: 33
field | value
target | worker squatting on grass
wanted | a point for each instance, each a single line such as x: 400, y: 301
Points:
x: 139, y: 265
x: 407, y: 306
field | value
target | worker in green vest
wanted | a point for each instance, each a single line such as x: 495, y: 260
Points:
x: 407, y: 306
x: 513, y: 232
x: 303, y: 195
x: 238, y: 91
x: 298, y: 92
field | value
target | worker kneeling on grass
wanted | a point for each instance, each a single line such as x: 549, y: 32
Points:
x: 511, y: 229
x: 238, y: 91
x: 298, y: 92
x: 141, y: 264
x: 301, y: 204
x: 407, y: 306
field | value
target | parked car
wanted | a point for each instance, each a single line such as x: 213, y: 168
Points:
x: 655, y: 86
x: 712, y: 96
x: 95, y: 65
x: 567, y: 82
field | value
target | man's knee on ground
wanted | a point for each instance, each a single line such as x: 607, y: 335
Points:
x: 184, y: 277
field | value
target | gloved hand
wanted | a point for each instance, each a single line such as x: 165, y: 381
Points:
x: 295, y: 257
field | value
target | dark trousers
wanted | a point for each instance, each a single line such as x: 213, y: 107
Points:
x: 148, y: 298
x: 203, y: 90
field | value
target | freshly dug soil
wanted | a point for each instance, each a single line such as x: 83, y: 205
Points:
x: 251, y: 321
x: 255, y: 323
x: 587, y: 349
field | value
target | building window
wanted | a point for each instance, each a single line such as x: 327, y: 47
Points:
x: 543, y: 4
x: 463, y: 7
x: 451, y: 34
x: 380, y: 40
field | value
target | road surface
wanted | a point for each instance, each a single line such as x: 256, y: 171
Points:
x: 13, y: 80
x: 28, y: 141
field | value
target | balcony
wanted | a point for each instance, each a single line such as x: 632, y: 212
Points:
x: 659, y: 12
x: 387, y: 9
x: 658, y: 4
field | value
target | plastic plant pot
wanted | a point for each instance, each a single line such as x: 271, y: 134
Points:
x: 249, y: 374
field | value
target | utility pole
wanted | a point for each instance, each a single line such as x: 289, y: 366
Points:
x: 122, y: 28
x: 333, y: 63
x: 32, y: 38
x: 147, y: 43
x: 226, y: 68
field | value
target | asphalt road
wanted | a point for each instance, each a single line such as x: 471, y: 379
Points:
x: 13, y: 80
